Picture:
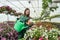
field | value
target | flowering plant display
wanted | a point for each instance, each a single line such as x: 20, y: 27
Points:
x: 9, y: 10
x: 43, y: 33
x: 6, y: 33
x: 6, y: 8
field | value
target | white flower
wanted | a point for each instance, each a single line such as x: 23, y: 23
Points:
x: 53, y: 36
x: 40, y: 27
x: 45, y: 30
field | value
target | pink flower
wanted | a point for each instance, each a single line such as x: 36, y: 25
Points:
x: 8, y: 8
x: 3, y: 38
x: 1, y: 29
x: 41, y: 38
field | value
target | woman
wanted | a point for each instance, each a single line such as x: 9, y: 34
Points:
x: 20, y: 25
x: 26, y: 15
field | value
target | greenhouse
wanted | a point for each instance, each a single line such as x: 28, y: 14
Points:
x: 29, y: 19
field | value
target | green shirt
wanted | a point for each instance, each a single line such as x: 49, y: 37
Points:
x: 23, y: 18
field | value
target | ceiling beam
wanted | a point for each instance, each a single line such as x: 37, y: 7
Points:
x: 34, y: 9
x: 14, y: 5
x: 21, y: 3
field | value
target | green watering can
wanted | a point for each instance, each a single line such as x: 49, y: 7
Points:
x: 19, y: 26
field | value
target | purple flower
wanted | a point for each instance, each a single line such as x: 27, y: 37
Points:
x: 1, y: 29
x: 11, y: 33
x: 8, y: 8
x: 3, y: 38
x: 8, y: 34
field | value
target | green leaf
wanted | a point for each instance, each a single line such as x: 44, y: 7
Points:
x: 54, y: 16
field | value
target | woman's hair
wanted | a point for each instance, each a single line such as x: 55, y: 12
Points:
x: 25, y: 12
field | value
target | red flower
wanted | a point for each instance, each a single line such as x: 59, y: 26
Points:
x: 8, y: 8
x: 41, y: 38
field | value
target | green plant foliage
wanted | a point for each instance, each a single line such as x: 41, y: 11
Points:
x: 54, y: 16
x: 45, y: 13
x: 50, y: 1
x: 44, y: 4
x: 42, y: 31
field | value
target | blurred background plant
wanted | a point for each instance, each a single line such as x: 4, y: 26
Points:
x: 47, y: 7
x: 8, y: 33
x: 36, y: 33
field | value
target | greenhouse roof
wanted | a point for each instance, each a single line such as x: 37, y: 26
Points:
x: 35, y: 7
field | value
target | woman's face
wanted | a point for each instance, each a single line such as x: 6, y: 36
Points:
x: 27, y: 12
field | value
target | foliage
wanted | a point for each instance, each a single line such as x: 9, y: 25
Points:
x: 53, y: 35
x: 42, y: 31
x: 9, y: 10
x: 54, y: 16
x: 7, y: 33
x: 46, y: 10
x: 6, y: 8
x: 35, y: 32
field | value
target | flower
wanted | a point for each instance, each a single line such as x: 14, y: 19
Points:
x: 3, y: 38
x: 41, y: 31
x: 41, y: 38
x: 8, y: 8
x: 1, y: 29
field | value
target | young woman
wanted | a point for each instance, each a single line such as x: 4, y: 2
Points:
x: 20, y: 25
x: 26, y: 15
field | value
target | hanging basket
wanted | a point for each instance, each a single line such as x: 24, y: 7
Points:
x: 56, y: 1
